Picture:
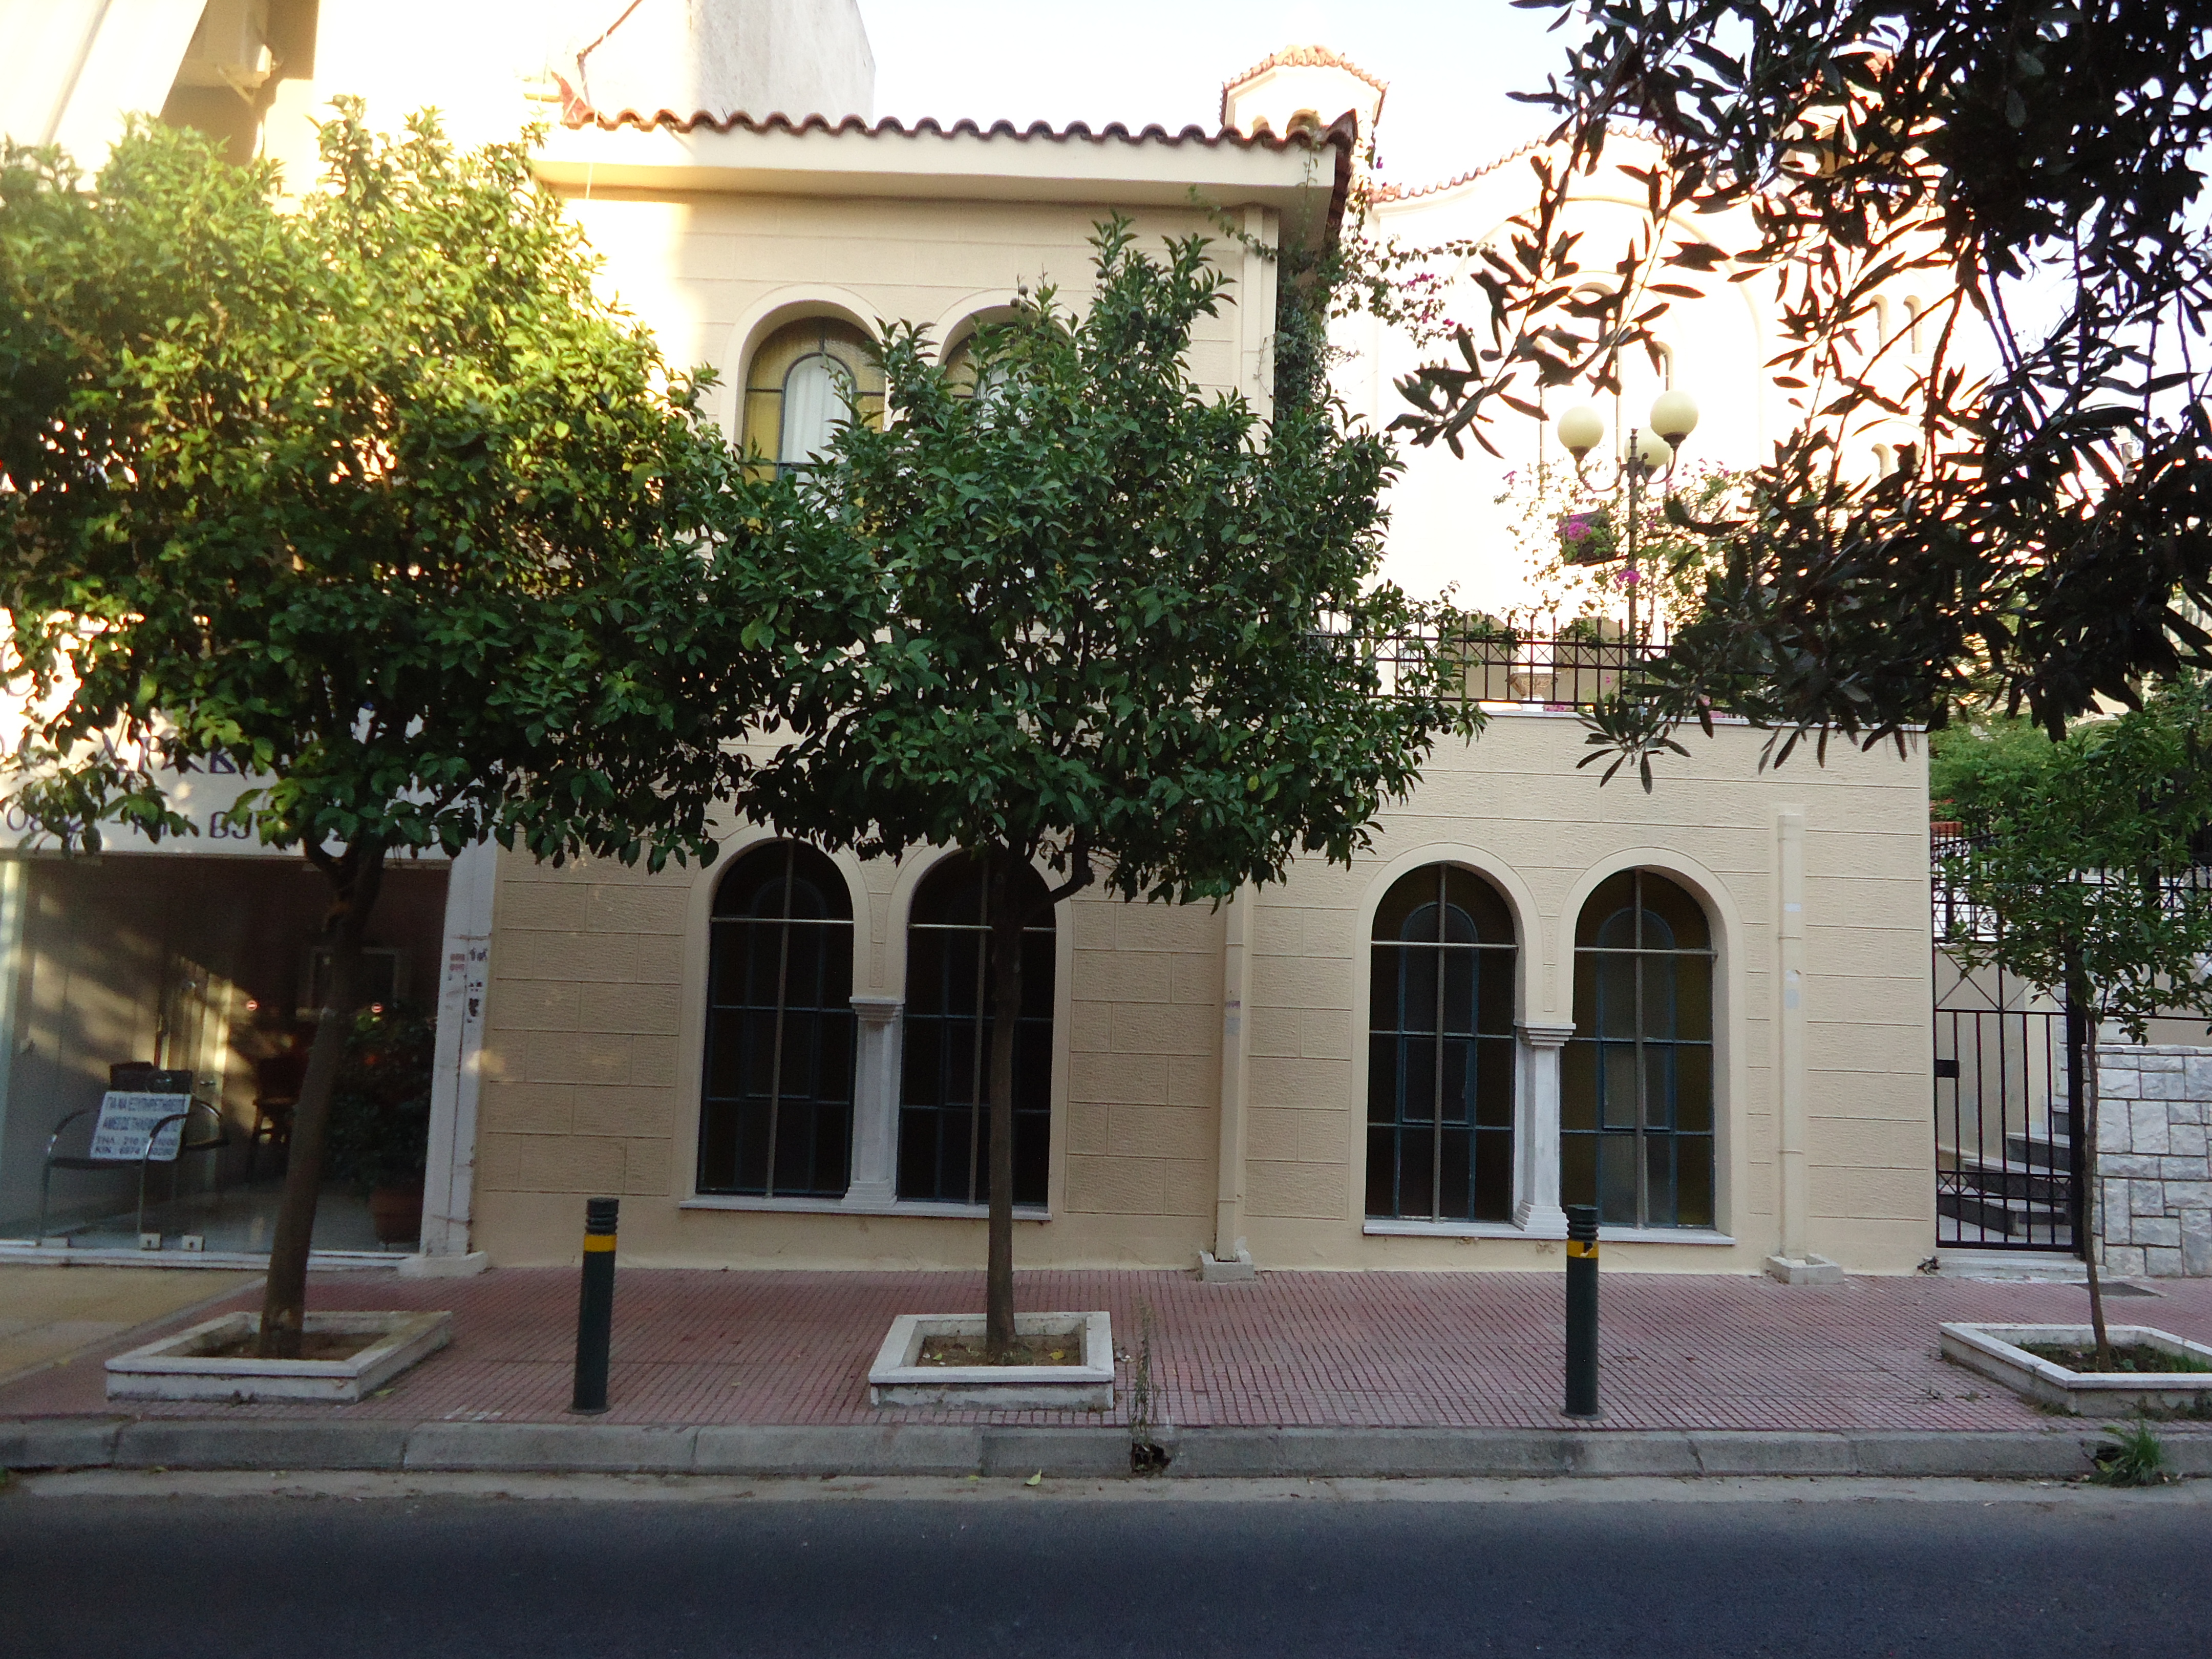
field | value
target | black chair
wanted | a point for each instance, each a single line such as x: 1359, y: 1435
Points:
x: 136, y: 1077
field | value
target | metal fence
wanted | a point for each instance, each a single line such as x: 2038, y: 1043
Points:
x: 2008, y: 1087
x: 1536, y: 660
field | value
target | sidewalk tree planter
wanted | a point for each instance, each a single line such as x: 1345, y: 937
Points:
x: 214, y: 1360
x: 2010, y: 1354
x: 1123, y: 633
x: 369, y: 496
x: 903, y: 1375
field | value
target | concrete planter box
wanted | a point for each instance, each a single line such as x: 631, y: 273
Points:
x: 178, y: 1367
x: 1994, y: 1351
x: 897, y: 1377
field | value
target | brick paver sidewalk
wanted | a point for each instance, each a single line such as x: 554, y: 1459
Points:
x: 1377, y: 1350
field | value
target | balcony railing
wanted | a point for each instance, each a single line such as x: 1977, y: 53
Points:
x: 1537, y: 661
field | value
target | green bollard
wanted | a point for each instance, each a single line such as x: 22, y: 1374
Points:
x: 1581, y: 1311
x: 595, y: 1311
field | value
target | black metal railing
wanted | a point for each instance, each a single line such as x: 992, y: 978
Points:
x: 1533, y: 661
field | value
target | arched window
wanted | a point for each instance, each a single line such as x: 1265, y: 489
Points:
x: 776, y: 1116
x: 802, y: 382
x: 1440, y: 1050
x: 944, y: 1124
x: 967, y: 377
x: 1912, y: 321
x: 1636, y: 1093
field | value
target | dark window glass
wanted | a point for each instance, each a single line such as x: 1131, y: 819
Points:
x: 1440, y: 1050
x: 945, y: 1126
x: 775, y: 1115
x: 1636, y: 1083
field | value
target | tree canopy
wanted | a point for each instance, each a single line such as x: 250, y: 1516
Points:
x: 2040, y: 160
x: 1123, y: 630
x: 370, y: 495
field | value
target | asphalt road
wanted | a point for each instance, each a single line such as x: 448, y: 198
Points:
x: 1615, y: 1572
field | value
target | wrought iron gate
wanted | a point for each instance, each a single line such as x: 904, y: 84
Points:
x: 2009, y: 1072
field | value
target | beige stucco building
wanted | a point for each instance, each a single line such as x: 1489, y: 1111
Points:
x: 1707, y: 1005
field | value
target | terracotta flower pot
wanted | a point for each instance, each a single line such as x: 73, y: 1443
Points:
x: 396, y: 1212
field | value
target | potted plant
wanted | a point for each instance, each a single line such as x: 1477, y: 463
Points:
x: 380, y: 1117
x: 1586, y: 536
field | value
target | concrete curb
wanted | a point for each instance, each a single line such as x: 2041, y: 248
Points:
x: 903, y: 1448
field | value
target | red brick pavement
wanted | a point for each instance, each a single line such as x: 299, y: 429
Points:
x: 1361, y: 1349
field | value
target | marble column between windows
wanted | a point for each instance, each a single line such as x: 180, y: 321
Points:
x: 875, y: 1103
x: 1536, y: 1133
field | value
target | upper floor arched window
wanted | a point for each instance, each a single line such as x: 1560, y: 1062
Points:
x: 805, y: 379
x: 945, y: 1072
x: 1440, y: 1050
x: 777, y: 1108
x: 1636, y: 1090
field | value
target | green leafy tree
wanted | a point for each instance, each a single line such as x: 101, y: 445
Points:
x: 2034, y: 169
x: 2086, y: 854
x: 1124, y: 631
x: 370, y: 495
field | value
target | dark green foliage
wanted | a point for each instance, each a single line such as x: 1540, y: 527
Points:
x: 2087, y: 852
x: 2049, y: 544
x: 1120, y: 626
x: 370, y: 495
x: 372, y: 498
x: 1120, y: 629
x: 380, y: 1113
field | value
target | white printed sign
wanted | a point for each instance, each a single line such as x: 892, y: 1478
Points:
x: 126, y: 1119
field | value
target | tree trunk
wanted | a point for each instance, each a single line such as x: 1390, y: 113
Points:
x: 1006, y: 920
x: 354, y: 881
x: 2088, y: 1130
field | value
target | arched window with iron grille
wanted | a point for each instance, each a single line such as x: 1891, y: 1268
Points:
x: 777, y: 1108
x: 945, y: 1072
x: 1636, y: 1090
x: 1440, y: 1050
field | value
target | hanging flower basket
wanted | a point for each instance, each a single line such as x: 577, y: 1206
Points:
x: 1586, y: 537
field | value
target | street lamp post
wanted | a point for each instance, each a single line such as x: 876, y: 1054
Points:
x: 1649, y: 451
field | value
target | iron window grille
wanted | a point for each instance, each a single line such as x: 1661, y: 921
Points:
x: 776, y: 1111
x: 1636, y: 1098
x: 1440, y: 1050
x: 944, y: 1069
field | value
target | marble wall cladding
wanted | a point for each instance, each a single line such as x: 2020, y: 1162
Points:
x: 2153, y: 1186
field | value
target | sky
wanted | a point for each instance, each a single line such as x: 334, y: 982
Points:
x: 1449, y: 64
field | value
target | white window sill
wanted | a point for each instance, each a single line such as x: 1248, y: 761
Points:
x: 845, y: 1207
x: 1378, y: 1228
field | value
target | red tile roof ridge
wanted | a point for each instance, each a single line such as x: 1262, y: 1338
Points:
x: 1315, y: 56
x: 1396, y: 192
x: 576, y: 116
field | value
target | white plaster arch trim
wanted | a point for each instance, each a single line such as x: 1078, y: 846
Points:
x: 793, y: 302
x: 1721, y: 909
x: 1519, y: 900
x: 958, y: 321
x: 913, y: 870
x: 692, y: 1012
x: 1731, y: 960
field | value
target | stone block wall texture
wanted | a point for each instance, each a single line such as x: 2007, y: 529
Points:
x: 2154, y: 1188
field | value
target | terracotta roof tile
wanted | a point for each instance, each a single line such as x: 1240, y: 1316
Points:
x: 577, y: 115
x: 1312, y: 57
x: 1379, y: 194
